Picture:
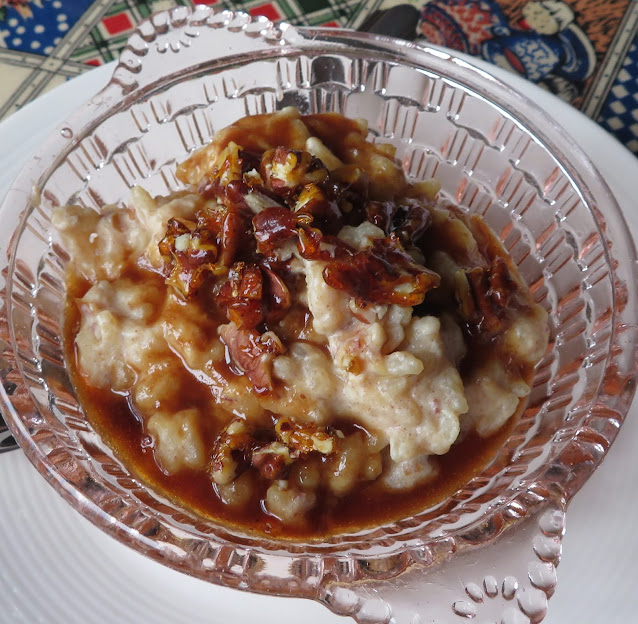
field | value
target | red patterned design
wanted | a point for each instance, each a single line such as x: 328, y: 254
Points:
x: 432, y: 34
x: 459, y: 24
x: 476, y: 21
x: 118, y: 23
x: 268, y: 10
x: 21, y: 6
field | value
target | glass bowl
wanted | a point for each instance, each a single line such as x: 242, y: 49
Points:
x: 489, y: 551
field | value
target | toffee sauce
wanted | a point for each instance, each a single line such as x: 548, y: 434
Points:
x: 368, y: 505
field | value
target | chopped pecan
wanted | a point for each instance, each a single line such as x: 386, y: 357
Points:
x: 240, y: 445
x: 285, y: 171
x: 190, y: 251
x: 484, y: 295
x: 277, y: 297
x: 416, y: 221
x: 231, y: 452
x: 313, y: 245
x: 233, y: 217
x: 273, y: 227
x: 408, y: 220
x: 234, y: 163
x: 383, y: 273
x: 250, y: 163
x: 241, y: 295
x: 310, y: 244
x: 232, y: 220
x: 273, y: 460
x: 502, y: 284
x: 251, y: 354
x: 348, y: 187
x: 381, y: 214
x: 324, y: 210
x: 235, y: 234
x: 463, y: 295
x: 233, y: 195
x: 252, y: 294
x: 294, y: 440
x: 305, y: 438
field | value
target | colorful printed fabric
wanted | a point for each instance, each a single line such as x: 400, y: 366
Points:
x: 585, y: 51
x: 558, y: 44
x: 45, y: 42
x: 37, y: 27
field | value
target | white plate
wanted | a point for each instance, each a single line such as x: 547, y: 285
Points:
x: 55, y: 567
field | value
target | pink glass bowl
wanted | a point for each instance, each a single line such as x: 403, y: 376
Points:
x: 490, y: 550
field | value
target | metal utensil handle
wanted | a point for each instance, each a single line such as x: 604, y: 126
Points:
x: 7, y: 442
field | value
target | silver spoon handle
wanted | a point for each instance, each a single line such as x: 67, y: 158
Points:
x: 7, y: 443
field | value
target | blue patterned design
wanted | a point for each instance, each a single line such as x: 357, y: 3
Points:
x: 40, y: 34
x: 619, y: 114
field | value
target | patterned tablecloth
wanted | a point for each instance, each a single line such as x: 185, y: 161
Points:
x: 585, y: 51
